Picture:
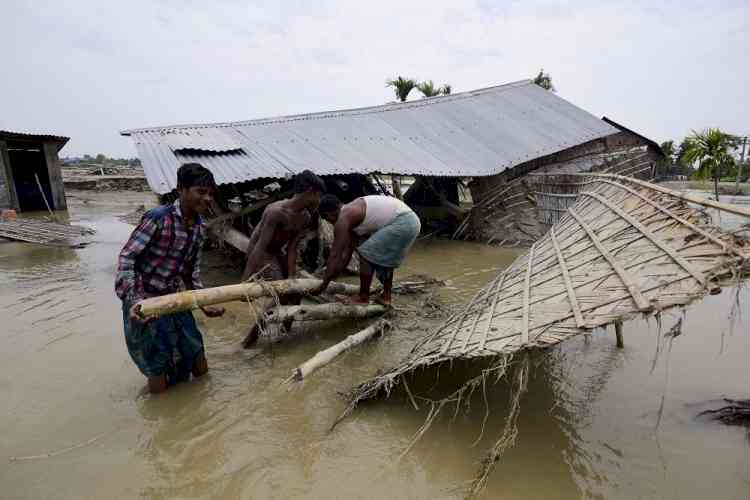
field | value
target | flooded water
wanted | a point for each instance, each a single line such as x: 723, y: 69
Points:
x: 77, y: 423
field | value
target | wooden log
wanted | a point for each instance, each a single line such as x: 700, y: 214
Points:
x: 249, y: 209
x: 231, y: 236
x: 325, y: 357
x: 323, y: 311
x: 193, y: 299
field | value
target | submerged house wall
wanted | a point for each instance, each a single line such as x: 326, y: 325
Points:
x: 510, y: 209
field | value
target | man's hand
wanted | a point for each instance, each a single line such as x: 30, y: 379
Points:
x: 213, y: 312
x: 137, y: 315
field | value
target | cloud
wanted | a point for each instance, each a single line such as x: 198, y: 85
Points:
x: 89, y: 69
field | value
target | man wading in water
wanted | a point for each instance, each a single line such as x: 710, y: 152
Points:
x: 283, y: 224
x: 162, y: 256
x: 390, y: 228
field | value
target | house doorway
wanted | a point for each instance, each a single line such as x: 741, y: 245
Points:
x: 28, y: 165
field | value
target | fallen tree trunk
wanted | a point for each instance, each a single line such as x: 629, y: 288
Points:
x: 193, y: 299
x: 323, y: 311
x: 325, y: 357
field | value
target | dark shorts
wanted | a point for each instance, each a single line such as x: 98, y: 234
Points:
x: 166, y: 346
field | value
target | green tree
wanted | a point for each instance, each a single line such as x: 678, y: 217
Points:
x: 710, y: 149
x: 666, y: 164
x: 429, y: 89
x: 544, y: 80
x: 401, y: 87
x: 100, y: 158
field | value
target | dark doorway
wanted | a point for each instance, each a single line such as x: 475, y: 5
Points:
x: 27, y: 165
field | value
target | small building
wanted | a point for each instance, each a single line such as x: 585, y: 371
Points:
x: 30, y: 171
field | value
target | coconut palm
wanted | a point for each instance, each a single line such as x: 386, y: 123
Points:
x: 710, y: 148
x: 429, y: 89
x: 401, y: 86
x: 544, y: 80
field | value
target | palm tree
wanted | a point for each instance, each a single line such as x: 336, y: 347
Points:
x: 710, y: 148
x: 429, y: 89
x: 544, y: 80
x: 401, y: 86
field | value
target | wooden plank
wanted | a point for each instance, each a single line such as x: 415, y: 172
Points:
x: 568, y: 284
x: 651, y: 237
x: 526, y: 295
x: 640, y: 302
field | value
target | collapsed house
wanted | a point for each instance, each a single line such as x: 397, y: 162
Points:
x: 482, y: 139
x: 30, y: 176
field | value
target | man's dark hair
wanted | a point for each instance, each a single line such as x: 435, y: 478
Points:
x: 194, y: 174
x: 328, y: 203
x: 308, y: 181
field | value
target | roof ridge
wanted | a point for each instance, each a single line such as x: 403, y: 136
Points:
x: 380, y: 108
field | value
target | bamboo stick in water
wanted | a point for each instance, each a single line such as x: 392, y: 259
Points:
x: 325, y: 357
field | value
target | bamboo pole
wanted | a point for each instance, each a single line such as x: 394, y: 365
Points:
x: 325, y: 357
x: 727, y: 207
x: 526, y: 297
x: 640, y: 301
x: 193, y: 299
x: 618, y: 334
x: 323, y: 311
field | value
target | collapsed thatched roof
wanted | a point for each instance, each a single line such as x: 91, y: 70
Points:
x: 618, y: 247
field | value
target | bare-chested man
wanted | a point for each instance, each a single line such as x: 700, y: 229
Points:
x: 272, y: 252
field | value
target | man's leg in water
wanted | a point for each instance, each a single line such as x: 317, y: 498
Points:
x: 385, y: 297
x: 365, y: 280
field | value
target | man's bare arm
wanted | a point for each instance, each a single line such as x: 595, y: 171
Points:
x: 267, y: 228
x: 341, y: 252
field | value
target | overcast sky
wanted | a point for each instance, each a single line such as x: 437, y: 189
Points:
x: 88, y: 69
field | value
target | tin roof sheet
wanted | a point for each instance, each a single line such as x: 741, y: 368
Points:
x: 469, y: 134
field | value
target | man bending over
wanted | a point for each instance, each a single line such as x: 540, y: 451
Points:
x: 389, y: 228
x: 162, y: 256
x: 272, y: 252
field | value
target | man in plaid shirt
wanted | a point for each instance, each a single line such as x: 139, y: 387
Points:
x: 162, y: 256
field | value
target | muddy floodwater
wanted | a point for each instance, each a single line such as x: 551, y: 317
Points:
x: 76, y: 422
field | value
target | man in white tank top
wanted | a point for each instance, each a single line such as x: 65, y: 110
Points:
x: 388, y: 227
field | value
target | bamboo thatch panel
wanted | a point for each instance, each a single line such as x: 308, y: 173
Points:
x: 618, y: 248
x: 43, y: 232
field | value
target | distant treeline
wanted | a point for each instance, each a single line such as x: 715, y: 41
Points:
x: 102, y: 160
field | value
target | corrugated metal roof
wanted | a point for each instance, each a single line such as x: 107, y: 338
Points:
x: 6, y: 135
x: 469, y: 134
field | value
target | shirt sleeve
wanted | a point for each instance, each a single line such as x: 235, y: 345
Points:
x: 128, y: 285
